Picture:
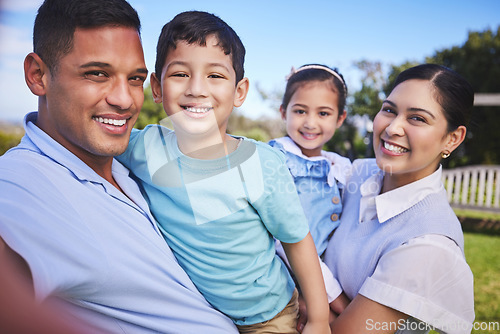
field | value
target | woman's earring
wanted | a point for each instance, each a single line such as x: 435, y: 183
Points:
x: 445, y: 154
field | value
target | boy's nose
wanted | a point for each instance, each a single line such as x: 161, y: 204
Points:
x: 197, y: 86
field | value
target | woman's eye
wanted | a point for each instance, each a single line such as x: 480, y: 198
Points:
x: 418, y: 119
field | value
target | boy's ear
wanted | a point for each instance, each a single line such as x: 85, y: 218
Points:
x: 455, y: 138
x: 241, y: 92
x: 35, y: 74
x: 156, y: 88
x: 341, y: 118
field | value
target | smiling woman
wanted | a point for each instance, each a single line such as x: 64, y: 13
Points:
x: 398, y: 252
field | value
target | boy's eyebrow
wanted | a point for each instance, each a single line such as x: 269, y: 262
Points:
x: 183, y: 63
x: 106, y: 65
x: 411, y: 109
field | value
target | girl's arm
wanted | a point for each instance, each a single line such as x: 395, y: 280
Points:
x: 363, y: 315
x: 305, y: 265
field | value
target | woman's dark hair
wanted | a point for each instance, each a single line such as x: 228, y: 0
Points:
x: 195, y: 27
x: 57, y: 20
x: 452, y: 91
x: 316, y: 72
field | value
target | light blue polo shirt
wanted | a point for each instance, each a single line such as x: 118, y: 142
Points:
x: 85, y: 240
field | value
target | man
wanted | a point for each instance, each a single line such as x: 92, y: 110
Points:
x: 72, y: 219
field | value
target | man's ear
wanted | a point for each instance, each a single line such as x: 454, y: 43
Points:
x: 156, y: 88
x: 35, y: 74
x: 241, y: 92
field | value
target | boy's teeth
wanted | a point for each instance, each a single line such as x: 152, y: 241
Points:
x: 197, y: 110
x: 115, y: 122
x: 395, y: 149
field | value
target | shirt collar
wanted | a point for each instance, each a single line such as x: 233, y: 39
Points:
x: 339, y: 166
x: 394, y: 202
x: 51, y: 148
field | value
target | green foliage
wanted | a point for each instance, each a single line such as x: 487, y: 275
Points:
x: 478, y: 60
x: 151, y: 112
x: 8, y: 140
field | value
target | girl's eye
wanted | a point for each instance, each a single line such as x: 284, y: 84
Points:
x: 299, y: 111
x: 180, y: 75
x: 324, y: 113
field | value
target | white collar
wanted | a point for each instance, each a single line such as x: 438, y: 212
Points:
x: 339, y: 165
x: 396, y: 201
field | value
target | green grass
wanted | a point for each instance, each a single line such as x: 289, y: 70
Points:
x: 482, y: 254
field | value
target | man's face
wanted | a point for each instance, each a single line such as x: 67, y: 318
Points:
x: 94, y: 97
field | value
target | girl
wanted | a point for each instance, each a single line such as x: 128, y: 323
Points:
x: 398, y: 253
x: 313, y: 108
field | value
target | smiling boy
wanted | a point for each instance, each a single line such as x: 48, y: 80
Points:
x: 220, y: 198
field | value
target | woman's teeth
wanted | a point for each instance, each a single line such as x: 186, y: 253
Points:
x: 394, y: 148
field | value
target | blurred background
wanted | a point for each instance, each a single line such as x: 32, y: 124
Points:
x: 370, y: 42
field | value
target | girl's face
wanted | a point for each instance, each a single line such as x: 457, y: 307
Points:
x: 410, y: 133
x: 312, y: 116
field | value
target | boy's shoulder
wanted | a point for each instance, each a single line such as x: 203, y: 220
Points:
x: 265, y: 149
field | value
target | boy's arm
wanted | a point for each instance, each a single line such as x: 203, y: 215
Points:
x: 305, y: 265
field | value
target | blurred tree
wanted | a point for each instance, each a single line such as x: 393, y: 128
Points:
x: 151, y: 112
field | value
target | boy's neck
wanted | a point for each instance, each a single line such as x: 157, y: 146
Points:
x: 204, y: 148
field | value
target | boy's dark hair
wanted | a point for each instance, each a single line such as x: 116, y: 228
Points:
x: 57, y: 20
x: 195, y: 27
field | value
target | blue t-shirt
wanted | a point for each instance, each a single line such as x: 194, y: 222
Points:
x: 219, y: 217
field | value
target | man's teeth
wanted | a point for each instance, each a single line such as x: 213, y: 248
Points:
x: 115, y: 122
x: 197, y: 110
x: 395, y: 149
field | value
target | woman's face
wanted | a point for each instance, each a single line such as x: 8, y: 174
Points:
x: 410, y: 132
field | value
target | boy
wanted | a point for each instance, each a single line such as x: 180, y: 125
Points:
x: 219, y: 199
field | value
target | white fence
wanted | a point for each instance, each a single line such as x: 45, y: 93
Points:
x: 473, y: 187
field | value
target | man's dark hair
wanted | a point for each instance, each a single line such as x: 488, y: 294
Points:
x: 57, y: 20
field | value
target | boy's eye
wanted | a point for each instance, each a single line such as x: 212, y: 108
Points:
x: 180, y: 75
x: 216, y: 76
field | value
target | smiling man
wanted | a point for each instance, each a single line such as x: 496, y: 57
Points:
x: 71, y: 218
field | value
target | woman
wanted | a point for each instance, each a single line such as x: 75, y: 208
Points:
x: 398, y: 252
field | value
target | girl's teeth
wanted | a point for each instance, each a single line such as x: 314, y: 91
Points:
x: 395, y: 149
x: 115, y: 122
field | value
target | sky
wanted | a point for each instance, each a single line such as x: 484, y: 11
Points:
x: 277, y: 35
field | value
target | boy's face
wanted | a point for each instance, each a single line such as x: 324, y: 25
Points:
x: 198, y: 88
